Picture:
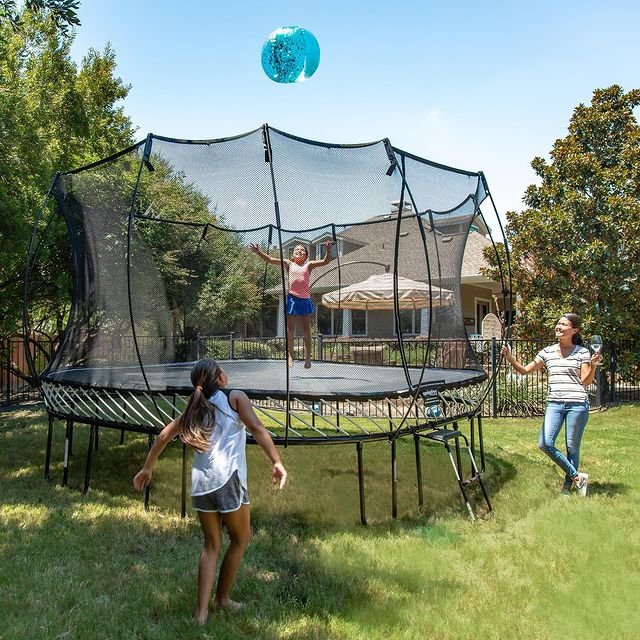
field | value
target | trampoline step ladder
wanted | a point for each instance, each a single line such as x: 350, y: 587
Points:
x: 443, y: 436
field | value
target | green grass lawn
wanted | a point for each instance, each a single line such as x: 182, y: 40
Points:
x: 540, y: 566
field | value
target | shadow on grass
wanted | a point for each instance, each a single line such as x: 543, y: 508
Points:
x: 609, y: 489
x: 323, y: 480
x: 97, y: 560
x: 100, y: 557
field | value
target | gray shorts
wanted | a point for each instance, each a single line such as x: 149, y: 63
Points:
x: 229, y: 497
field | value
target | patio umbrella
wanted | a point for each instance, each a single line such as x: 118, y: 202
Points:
x: 376, y: 293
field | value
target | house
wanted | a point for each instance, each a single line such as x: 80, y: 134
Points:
x: 455, y: 250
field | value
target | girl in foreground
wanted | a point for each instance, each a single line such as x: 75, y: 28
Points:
x: 213, y: 424
x: 570, y: 369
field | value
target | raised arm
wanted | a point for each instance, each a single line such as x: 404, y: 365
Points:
x: 327, y: 256
x: 523, y: 369
x: 265, y: 256
x: 143, y: 477
x: 260, y: 434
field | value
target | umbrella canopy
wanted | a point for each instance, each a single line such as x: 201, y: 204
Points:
x: 376, y: 293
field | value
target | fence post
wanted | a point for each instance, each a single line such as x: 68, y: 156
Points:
x: 9, y: 348
x: 613, y: 370
x: 231, y: 347
x: 494, y: 375
x: 320, y: 354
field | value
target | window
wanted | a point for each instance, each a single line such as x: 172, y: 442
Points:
x: 321, y: 248
x: 483, y: 307
x: 410, y: 321
x: 359, y: 322
x: 329, y: 321
x: 323, y: 317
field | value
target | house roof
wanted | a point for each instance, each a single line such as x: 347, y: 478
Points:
x: 370, y: 249
x: 474, y: 259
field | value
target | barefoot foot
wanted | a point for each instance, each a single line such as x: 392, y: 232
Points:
x: 201, y: 617
x: 229, y: 604
x: 290, y: 361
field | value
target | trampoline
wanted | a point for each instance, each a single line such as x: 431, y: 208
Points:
x: 267, y: 379
x: 160, y: 236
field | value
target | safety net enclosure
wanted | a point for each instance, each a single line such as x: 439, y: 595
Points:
x: 164, y: 274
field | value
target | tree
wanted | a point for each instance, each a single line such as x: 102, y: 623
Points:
x: 62, y: 12
x: 576, y: 248
x: 53, y: 116
x: 207, y: 277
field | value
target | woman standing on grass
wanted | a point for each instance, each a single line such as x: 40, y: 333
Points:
x: 570, y: 368
x: 213, y: 424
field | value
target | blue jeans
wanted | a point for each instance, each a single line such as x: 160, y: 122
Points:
x: 575, y: 416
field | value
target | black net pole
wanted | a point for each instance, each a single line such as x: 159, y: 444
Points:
x: 396, y: 304
x: 145, y: 162
x: 268, y: 156
x: 509, y: 291
x: 506, y: 295
x: 32, y: 252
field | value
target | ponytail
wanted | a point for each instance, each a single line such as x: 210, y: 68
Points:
x: 198, y: 420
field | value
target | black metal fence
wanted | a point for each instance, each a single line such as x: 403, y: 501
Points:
x: 617, y: 380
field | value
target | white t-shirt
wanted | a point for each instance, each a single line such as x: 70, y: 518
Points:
x: 212, y: 468
x: 564, y: 373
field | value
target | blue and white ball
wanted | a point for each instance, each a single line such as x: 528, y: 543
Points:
x: 290, y: 54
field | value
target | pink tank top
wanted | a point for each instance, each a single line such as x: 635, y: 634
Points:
x: 299, y: 280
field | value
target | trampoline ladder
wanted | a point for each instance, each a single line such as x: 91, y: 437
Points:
x: 443, y: 436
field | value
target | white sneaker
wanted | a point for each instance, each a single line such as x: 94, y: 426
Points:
x: 581, y: 485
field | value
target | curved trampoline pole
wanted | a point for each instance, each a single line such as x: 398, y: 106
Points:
x: 496, y: 362
x: 145, y: 162
x: 418, y: 384
x: 506, y: 250
x: 32, y: 252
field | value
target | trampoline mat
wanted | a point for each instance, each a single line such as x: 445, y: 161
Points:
x: 268, y: 378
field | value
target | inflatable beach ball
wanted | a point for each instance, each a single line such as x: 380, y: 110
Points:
x: 290, y: 54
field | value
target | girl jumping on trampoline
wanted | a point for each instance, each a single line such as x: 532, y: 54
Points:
x: 213, y: 424
x: 571, y: 368
x: 299, y: 301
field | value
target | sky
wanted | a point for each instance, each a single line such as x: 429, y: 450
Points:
x: 479, y: 86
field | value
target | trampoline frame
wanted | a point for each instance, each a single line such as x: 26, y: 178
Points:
x: 59, y: 397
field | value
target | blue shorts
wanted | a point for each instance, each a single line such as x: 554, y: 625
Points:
x: 299, y: 306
